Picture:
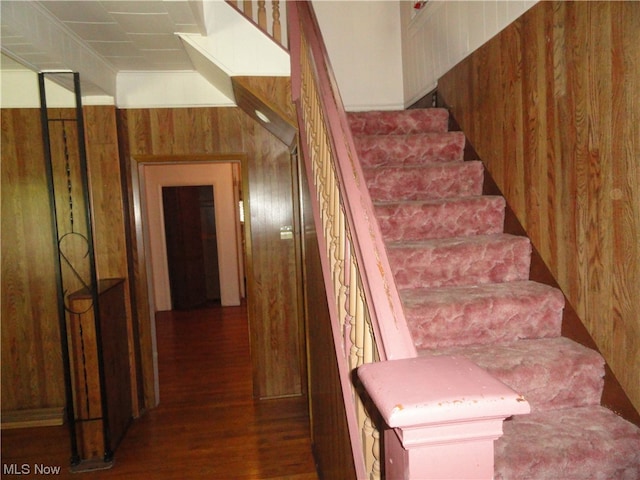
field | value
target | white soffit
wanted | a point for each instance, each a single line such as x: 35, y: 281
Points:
x: 168, y: 89
x: 216, y: 74
x: 238, y: 45
x: 19, y: 89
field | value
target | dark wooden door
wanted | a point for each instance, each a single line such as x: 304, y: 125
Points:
x: 185, y: 252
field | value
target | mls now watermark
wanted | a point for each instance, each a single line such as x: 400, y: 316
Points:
x: 28, y: 469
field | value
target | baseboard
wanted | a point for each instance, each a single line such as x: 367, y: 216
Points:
x: 35, y: 417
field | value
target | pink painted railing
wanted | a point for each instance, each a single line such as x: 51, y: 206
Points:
x: 267, y: 15
x: 444, y: 413
x: 350, y: 239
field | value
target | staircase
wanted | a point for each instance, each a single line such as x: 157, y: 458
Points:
x: 464, y: 285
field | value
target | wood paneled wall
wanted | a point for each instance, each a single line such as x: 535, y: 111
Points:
x: 552, y: 106
x: 329, y: 430
x: 32, y: 373
x: 109, y: 221
x: 272, y: 272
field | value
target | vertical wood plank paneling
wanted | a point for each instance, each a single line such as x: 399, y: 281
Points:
x: 599, y: 296
x: 625, y: 192
x: 512, y: 131
x: 103, y: 164
x: 137, y: 276
x: 552, y: 142
x: 272, y: 273
x: 534, y: 127
x: 571, y: 167
x: 104, y: 177
x: 31, y: 358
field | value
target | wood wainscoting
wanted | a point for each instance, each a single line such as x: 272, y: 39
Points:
x: 329, y: 430
x: 32, y: 367
x: 552, y: 106
x: 32, y: 374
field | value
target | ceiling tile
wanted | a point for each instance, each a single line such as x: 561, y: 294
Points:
x: 155, y: 41
x: 181, y: 13
x: 135, y: 6
x: 144, y: 22
x: 171, y: 59
x: 112, y: 49
x: 74, y: 11
x: 187, y: 28
x: 131, y: 63
x: 97, y: 31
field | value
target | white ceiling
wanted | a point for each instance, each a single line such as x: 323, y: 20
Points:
x: 100, y: 38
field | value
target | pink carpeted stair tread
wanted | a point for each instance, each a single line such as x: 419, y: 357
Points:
x: 441, y: 218
x: 399, y: 122
x: 482, y: 314
x: 585, y: 443
x: 415, y: 149
x: 425, y: 182
x: 550, y: 373
x: 460, y: 261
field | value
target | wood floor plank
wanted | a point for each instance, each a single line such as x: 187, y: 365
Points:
x: 207, y: 424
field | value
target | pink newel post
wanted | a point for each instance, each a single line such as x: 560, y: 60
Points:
x: 444, y: 414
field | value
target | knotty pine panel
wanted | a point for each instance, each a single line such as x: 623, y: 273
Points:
x: 32, y: 376
x: 552, y: 106
x: 273, y: 280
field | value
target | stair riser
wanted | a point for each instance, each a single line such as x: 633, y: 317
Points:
x: 425, y: 183
x: 582, y: 443
x: 470, y: 320
x: 441, y: 219
x: 460, y: 264
x: 552, y: 373
x: 394, y: 123
x: 409, y: 150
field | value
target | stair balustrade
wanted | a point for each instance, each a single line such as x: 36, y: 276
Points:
x: 423, y: 439
x: 266, y: 15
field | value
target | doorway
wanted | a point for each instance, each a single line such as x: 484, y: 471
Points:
x: 219, y: 178
x: 192, y: 250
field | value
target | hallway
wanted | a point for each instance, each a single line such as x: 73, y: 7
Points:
x: 207, y: 424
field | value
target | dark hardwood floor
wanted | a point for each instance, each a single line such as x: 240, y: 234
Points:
x: 207, y: 424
